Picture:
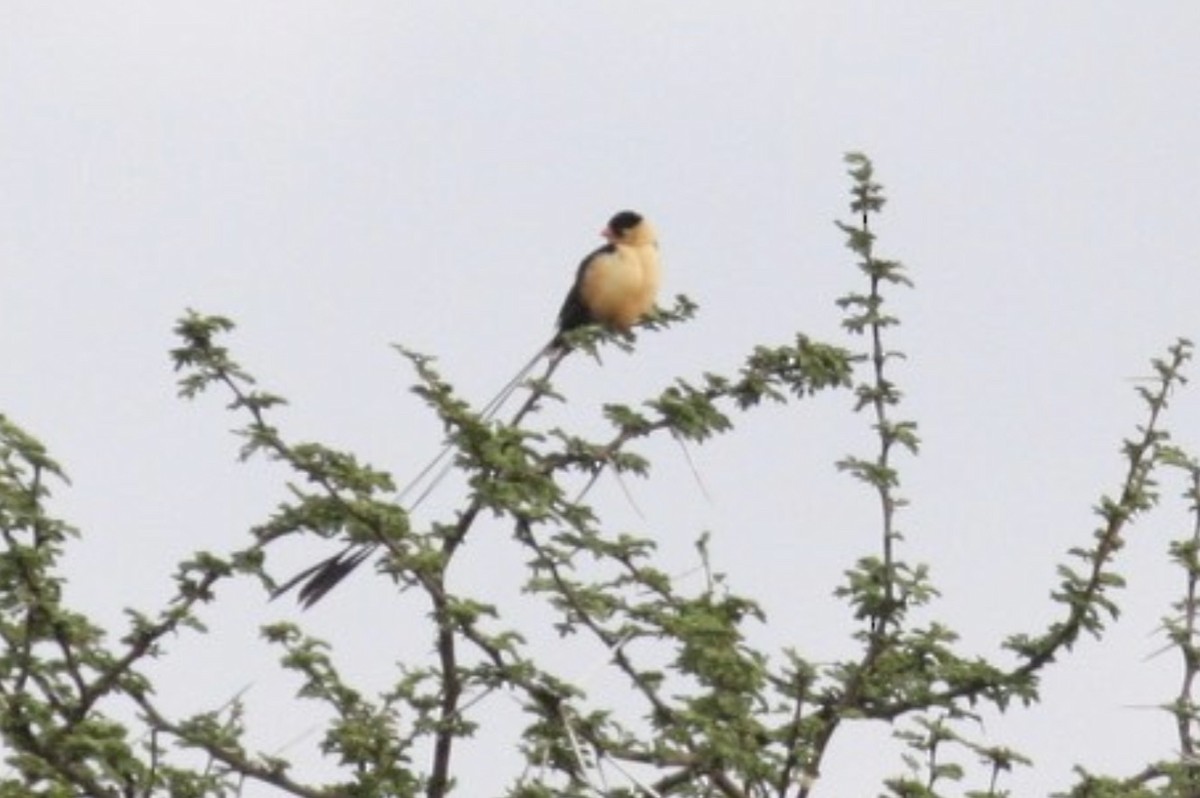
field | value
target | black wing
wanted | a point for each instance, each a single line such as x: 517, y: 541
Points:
x: 574, y: 312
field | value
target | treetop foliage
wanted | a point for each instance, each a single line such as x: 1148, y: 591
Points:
x: 704, y: 711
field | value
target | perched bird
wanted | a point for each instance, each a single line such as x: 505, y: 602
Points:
x: 615, y: 286
x: 618, y: 283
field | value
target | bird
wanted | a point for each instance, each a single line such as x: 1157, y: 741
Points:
x: 616, y: 286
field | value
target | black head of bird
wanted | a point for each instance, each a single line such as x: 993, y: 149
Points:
x: 621, y: 225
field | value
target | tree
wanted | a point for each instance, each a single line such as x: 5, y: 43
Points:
x: 706, y: 712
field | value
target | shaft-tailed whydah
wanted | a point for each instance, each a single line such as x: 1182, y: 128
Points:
x: 615, y: 286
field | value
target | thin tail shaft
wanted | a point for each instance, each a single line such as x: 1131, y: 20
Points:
x: 317, y: 580
x: 486, y: 414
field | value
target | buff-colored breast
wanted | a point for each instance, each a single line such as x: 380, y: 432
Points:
x: 621, y: 287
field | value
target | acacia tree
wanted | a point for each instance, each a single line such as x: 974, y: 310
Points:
x: 705, y: 712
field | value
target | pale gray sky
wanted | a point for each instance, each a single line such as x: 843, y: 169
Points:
x: 340, y: 175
